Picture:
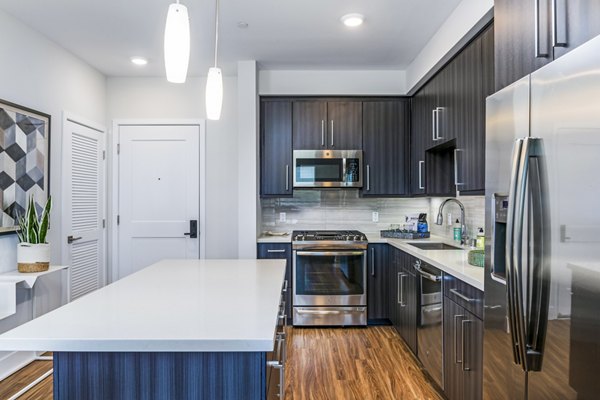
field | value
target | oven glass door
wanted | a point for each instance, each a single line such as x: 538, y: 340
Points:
x: 330, y: 278
x: 319, y: 170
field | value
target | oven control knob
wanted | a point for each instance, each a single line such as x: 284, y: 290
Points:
x: 356, y: 237
x: 348, y: 237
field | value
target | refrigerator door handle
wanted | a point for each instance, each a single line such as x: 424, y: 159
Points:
x: 540, y: 247
x: 510, y: 247
x: 517, y: 262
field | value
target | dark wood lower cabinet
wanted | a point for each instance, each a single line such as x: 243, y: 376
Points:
x: 377, y: 283
x: 193, y: 375
x: 463, y: 353
x: 403, y: 297
x: 280, y: 251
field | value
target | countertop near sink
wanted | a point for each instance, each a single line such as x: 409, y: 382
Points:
x: 454, y: 262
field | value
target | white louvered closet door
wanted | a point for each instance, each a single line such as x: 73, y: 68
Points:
x: 84, y: 202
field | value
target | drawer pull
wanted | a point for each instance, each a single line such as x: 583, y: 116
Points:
x: 462, y: 296
x: 276, y: 251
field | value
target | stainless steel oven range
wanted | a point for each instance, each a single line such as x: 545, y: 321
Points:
x: 329, y: 278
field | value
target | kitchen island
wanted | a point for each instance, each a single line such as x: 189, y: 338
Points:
x: 185, y: 329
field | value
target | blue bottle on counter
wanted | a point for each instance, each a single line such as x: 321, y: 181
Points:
x: 422, y: 224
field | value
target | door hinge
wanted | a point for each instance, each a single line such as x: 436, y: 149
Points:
x: 118, y: 219
x: 103, y: 223
x: 104, y: 154
x: 118, y: 148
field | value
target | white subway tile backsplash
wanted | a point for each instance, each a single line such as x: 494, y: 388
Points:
x: 337, y: 209
x: 344, y: 209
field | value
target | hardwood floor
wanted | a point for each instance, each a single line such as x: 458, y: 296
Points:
x: 323, y: 364
x: 353, y: 364
x: 23, y: 377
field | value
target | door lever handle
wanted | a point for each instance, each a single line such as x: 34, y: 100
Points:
x: 71, y: 239
x: 193, y: 233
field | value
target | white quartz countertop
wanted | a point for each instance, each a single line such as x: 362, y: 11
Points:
x: 173, y: 305
x: 265, y: 238
x: 453, y: 262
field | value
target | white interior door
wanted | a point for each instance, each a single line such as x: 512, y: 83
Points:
x: 83, y: 212
x: 158, y: 200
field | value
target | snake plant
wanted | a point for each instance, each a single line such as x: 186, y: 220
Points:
x: 33, y: 229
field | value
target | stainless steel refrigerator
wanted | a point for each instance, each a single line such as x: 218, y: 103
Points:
x: 542, y: 274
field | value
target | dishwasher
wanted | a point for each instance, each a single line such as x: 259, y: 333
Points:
x: 429, y: 319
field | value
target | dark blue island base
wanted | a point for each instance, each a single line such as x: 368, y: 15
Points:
x: 181, y: 376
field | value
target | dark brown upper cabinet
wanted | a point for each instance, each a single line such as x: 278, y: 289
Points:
x: 530, y: 34
x: 448, y: 123
x: 474, y: 82
x: 386, y: 131
x: 276, y: 148
x: 334, y: 125
x: 310, y: 125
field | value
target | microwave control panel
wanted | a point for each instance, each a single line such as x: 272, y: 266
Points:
x: 352, y: 170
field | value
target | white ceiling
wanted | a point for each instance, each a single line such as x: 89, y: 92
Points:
x: 282, y: 34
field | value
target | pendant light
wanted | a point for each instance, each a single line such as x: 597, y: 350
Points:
x: 177, y: 43
x: 214, y: 82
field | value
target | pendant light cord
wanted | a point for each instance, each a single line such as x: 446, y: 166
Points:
x: 216, y: 31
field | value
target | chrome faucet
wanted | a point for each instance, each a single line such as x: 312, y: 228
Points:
x: 463, y: 226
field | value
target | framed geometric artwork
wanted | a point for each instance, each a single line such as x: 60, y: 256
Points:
x: 24, y: 161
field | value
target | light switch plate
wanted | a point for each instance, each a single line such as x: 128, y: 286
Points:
x: 282, y: 217
x: 375, y: 216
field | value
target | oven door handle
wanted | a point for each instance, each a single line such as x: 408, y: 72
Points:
x: 329, y: 253
x: 427, y: 275
x: 329, y: 312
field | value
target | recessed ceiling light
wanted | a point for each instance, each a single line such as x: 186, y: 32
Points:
x: 352, y: 20
x: 242, y: 25
x: 139, y: 60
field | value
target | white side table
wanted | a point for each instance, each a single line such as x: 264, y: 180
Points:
x: 8, y: 284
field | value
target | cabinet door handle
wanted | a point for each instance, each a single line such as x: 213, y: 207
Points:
x: 275, y: 250
x: 438, y: 110
x: 372, y: 261
x: 559, y: 28
x: 322, y: 133
x: 398, y: 291
x: 464, y: 357
x: 462, y: 296
x: 421, y: 165
x: 541, y: 39
x: 433, y: 119
x: 368, y: 178
x: 456, y: 181
x: 331, y: 133
x: 287, y: 178
x: 403, y: 303
x: 456, y: 325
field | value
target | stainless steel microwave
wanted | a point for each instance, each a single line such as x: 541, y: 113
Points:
x: 328, y: 168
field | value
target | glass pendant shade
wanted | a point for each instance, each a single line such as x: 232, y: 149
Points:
x: 214, y: 93
x: 177, y: 43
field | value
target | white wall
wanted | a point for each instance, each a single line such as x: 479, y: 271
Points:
x: 248, y: 169
x: 155, y: 98
x: 320, y: 82
x: 37, y: 73
x: 466, y: 15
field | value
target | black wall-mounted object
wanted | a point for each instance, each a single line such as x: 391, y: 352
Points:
x: 193, y: 233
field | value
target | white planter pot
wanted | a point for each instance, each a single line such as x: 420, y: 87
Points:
x: 33, y: 257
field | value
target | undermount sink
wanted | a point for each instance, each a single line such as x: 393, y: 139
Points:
x: 435, y: 246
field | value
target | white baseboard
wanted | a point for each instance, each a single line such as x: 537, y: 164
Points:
x: 15, y: 361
